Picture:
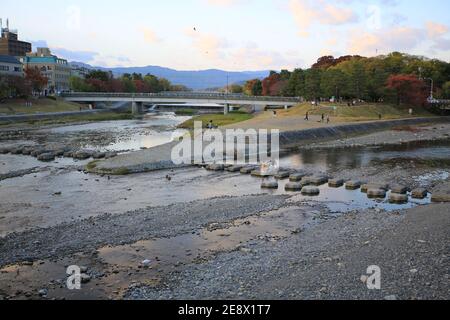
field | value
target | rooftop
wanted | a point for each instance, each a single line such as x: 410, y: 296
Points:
x: 9, y: 59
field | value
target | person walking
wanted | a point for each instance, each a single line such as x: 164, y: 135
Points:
x: 307, y: 116
x: 323, y: 117
x: 328, y: 118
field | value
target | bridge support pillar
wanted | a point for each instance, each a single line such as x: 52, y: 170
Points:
x: 136, y: 108
x: 226, y: 109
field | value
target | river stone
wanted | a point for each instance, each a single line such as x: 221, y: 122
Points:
x: 111, y: 154
x: 440, y: 197
x: 248, y: 169
x: 419, y: 193
x: 282, y: 175
x: 39, y: 151
x: 17, y: 150
x: 269, y: 185
x: 376, y: 193
x: 99, y: 155
x: 27, y: 151
x: 397, y: 188
x: 82, y: 155
x: 46, y: 157
x: 216, y: 167
x: 68, y: 154
x: 310, y: 191
x: 235, y: 168
x: 293, y: 186
x: 353, y: 185
x: 398, y: 198
x: 295, y: 177
x: 368, y: 186
x: 335, y: 183
x: 318, y: 181
x: 5, y: 150
x: 60, y: 152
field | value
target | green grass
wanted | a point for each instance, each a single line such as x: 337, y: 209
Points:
x: 217, y: 119
x: 44, y: 105
x: 363, y: 112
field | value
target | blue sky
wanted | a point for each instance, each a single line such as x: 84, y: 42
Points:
x: 230, y: 34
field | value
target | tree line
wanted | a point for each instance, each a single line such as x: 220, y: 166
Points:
x: 397, y: 77
x: 104, y: 81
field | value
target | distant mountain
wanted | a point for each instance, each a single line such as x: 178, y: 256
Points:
x: 197, y: 80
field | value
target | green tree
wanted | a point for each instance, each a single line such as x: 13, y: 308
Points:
x: 312, y: 84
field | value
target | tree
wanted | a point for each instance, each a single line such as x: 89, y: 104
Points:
x: 408, y: 89
x: 35, y: 79
x: 295, y: 85
x: 333, y: 82
x: 312, y: 84
x: 99, y: 75
x: 253, y: 87
x: 273, y: 85
x: 446, y: 90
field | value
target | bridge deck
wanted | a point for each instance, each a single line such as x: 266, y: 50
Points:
x: 181, y: 97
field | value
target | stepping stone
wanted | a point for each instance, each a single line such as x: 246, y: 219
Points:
x: 353, y: 185
x: 376, y: 193
x: 419, y: 193
x: 5, y: 150
x: 282, y: 175
x: 248, y: 169
x: 310, y: 191
x: 398, y: 198
x: 68, y: 154
x: 397, y: 188
x: 236, y: 168
x: 318, y: 181
x: 215, y: 167
x: 441, y: 197
x: 257, y: 173
x: 335, y: 183
x: 298, y: 176
x: 375, y: 186
x: 269, y: 185
x: 293, y: 186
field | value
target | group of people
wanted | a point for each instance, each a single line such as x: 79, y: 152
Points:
x: 324, y: 118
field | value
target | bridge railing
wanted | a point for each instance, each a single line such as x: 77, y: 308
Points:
x: 181, y: 95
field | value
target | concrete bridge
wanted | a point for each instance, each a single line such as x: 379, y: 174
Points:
x: 223, y: 101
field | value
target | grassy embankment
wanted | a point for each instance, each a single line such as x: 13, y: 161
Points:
x: 219, y: 120
x: 363, y: 112
x: 18, y: 107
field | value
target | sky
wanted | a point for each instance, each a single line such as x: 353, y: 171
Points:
x: 234, y: 35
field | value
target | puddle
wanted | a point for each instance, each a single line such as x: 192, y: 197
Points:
x: 114, y: 269
x: 11, y: 163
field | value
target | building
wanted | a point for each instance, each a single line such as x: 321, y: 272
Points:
x: 79, y: 70
x: 10, y: 44
x: 55, y: 69
x: 10, y: 66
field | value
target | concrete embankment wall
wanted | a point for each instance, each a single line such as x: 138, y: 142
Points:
x: 293, y: 139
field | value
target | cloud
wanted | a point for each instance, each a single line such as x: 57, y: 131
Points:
x: 436, y: 30
x: 70, y: 55
x: 385, y: 40
x: 150, y: 36
x: 209, y: 45
x: 306, y: 13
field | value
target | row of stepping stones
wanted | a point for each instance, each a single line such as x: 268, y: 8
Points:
x: 43, y: 153
x: 301, y: 182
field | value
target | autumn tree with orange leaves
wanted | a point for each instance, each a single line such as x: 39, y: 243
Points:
x: 408, y: 89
